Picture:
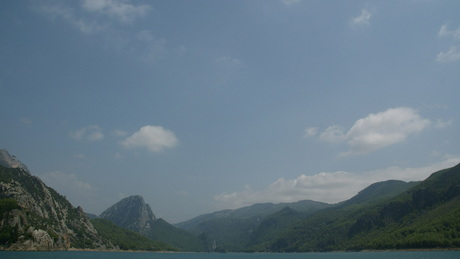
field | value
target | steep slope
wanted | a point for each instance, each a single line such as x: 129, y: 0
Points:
x: 232, y: 230
x: 378, y: 192
x: 35, y: 217
x: 131, y: 213
x: 425, y: 216
x: 134, y: 214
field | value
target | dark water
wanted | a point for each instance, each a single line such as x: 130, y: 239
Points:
x: 118, y: 255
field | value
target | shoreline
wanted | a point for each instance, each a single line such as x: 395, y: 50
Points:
x: 179, y: 252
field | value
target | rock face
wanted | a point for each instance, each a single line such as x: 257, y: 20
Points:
x: 131, y: 213
x: 35, y: 217
x: 10, y: 161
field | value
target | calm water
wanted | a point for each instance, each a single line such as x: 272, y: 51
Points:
x: 107, y: 255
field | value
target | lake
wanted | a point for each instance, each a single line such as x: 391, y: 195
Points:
x: 140, y: 255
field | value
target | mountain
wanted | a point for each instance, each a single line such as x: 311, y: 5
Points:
x: 424, y: 216
x: 9, y: 161
x: 36, y: 217
x: 233, y: 230
x: 131, y: 213
x: 127, y: 239
x: 378, y: 192
x: 134, y: 214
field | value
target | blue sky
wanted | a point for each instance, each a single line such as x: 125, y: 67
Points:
x: 206, y: 105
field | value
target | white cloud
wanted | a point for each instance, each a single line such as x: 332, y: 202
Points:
x: 377, y: 131
x: 333, y: 134
x: 120, y: 9
x: 382, y: 129
x: 451, y: 55
x: 91, y: 133
x: 444, y: 31
x: 69, y: 15
x: 154, y: 138
x: 330, y: 187
x: 362, y: 19
x: 310, y: 132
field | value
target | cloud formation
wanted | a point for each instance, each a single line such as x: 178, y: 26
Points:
x: 310, y: 132
x: 377, y: 130
x: 90, y: 133
x: 329, y: 187
x: 55, y: 11
x: 153, y: 138
x: 95, y: 15
x: 445, y: 31
x: 362, y: 19
x: 123, y: 11
x: 453, y: 54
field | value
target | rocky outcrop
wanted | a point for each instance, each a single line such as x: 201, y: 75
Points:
x: 10, y: 161
x: 131, y: 213
x: 134, y: 214
x: 36, y: 217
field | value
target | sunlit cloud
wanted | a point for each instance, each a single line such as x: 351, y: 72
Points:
x: 153, y: 138
x: 329, y: 187
x: 377, y: 130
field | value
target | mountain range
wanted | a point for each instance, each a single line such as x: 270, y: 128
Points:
x: 385, y: 215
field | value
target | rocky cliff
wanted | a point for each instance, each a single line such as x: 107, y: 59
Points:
x: 134, y: 214
x: 35, y: 217
x: 131, y: 213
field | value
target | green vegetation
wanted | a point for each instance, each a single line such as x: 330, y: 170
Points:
x: 127, y: 239
x: 426, y: 216
x: 164, y: 232
x: 8, y: 234
x: 386, y: 215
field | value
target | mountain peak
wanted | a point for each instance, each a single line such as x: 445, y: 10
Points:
x: 131, y: 213
x: 10, y: 161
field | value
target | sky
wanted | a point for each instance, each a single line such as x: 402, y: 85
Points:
x: 206, y: 105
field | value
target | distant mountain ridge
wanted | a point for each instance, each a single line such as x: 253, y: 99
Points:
x: 239, y: 229
x: 422, y: 217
